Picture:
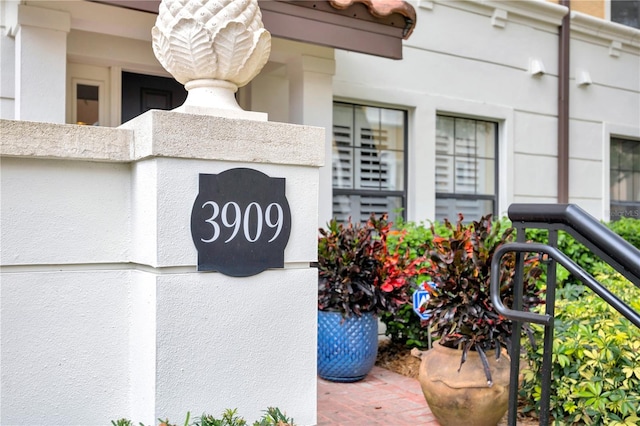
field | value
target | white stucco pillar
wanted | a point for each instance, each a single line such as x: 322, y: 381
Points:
x: 238, y: 331
x: 311, y: 103
x: 205, y: 341
x: 40, y: 64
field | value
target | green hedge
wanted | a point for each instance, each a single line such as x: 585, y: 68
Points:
x: 628, y: 228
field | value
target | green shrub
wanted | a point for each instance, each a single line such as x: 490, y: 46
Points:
x: 404, y: 326
x: 576, y: 251
x: 596, y: 360
x: 628, y: 228
x: 229, y: 418
x: 274, y: 417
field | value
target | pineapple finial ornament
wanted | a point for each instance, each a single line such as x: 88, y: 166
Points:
x: 212, y: 47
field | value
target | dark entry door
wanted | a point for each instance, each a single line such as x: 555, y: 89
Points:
x: 142, y: 92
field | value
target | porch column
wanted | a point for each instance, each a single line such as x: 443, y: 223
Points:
x: 40, y: 64
x: 225, y: 187
x: 311, y: 103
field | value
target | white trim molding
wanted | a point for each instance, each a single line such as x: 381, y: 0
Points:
x: 617, y: 36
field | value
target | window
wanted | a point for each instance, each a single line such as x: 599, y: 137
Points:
x: 368, y: 161
x: 466, y: 168
x: 88, y: 95
x: 626, y: 12
x: 87, y: 104
x: 625, y: 178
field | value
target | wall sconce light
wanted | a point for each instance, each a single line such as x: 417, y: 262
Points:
x: 583, y: 78
x: 536, y: 67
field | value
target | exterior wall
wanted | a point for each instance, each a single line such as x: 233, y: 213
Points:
x: 103, y: 313
x: 74, y: 239
x: 65, y: 298
x: 485, y: 76
x: 488, y: 76
x: 64, y: 344
x: 38, y: 41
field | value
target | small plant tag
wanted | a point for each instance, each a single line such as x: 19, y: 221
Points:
x: 420, y: 297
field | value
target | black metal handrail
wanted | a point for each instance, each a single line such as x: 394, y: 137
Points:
x: 571, y: 266
x: 603, y: 242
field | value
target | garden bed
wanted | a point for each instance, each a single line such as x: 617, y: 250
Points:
x: 398, y: 359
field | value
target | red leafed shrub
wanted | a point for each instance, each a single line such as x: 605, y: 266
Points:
x: 357, y: 270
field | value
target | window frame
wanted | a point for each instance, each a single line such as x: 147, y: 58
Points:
x: 102, y: 110
x: 403, y: 193
x: 631, y: 207
x: 496, y: 168
x: 88, y: 75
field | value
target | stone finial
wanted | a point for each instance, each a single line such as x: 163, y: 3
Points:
x: 212, y: 47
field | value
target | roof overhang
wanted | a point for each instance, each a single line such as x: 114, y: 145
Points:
x: 375, y: 27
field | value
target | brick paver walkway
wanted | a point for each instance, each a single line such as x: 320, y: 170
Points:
x: 382, y: 398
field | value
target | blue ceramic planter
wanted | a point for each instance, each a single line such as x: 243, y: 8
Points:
x: 346, y: 350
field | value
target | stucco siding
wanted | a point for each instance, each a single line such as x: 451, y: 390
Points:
x: 64, y: 347
x: 64, y: 212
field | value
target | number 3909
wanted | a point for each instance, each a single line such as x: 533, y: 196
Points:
x: 232, y: 217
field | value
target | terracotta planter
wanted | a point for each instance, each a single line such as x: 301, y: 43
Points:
x: 464, y: 398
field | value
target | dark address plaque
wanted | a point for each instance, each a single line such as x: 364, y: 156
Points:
x: 240, y: 222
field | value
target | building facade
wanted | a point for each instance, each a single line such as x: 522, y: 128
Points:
x: 466, y: 121
x: 431, y: 108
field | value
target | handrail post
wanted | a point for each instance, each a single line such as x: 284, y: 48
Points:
x: 516, y: 332
x: 547, y: 354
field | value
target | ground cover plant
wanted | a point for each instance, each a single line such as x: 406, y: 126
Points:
x: 273, y: 416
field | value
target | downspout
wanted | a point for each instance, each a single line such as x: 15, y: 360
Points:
x: 563, y: 105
